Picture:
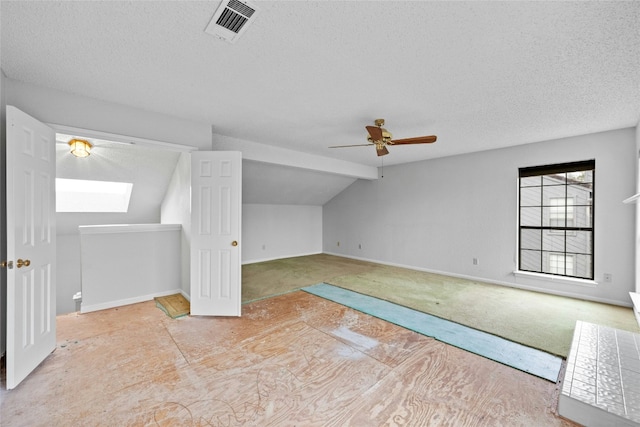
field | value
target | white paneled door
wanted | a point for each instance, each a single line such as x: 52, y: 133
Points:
x: 31, y: 244
x: 216, y: 202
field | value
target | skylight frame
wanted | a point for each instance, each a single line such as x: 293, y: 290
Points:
x: 91, y: 196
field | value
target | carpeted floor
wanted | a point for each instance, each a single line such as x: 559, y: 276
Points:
x: 541, y: 321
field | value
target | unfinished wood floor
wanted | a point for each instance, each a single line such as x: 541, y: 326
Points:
x: 291, y: 360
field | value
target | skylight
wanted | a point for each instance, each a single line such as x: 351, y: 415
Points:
x: 77, y: 195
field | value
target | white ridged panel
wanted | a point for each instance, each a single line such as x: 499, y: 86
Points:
x: 224, y: 271
x: 44, y: 149
x: 205, y: 169
x: 45, y: 298
x: 28, y: 228
x: 27, y: 142
x: 225, y: 211
x: 225, y: 168
x: 204, y: 271
x: 45, y: 202
x: 28, y: 301
x: 204, y: 226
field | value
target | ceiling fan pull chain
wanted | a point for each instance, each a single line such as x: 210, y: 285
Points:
x: 382, y: 168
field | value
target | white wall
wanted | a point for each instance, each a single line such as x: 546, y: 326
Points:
x: 68, y: 275
x: 56, y: 107
x: 280, y: 231
x: 126, y: 264
x: 438, y: 215
x: 176, y: 209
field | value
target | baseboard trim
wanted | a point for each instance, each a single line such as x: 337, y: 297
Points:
x: 255, y: 261
x: 491, y: 281
x: 127, y: 301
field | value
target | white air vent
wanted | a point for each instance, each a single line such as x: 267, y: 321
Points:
x: 231, y: 20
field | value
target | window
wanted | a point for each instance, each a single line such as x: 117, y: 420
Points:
x: 556, y: 219
x: 77, y: 195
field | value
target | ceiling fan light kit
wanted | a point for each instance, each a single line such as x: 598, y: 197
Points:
x: 381, y: 138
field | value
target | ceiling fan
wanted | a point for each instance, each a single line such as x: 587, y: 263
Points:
x: 381, y: 138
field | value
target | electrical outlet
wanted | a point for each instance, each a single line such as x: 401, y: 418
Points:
x: 359, y: 246
x: 264, y: 247
x: 476, y: 261
x: 338, y: 243
x: 607, y: 277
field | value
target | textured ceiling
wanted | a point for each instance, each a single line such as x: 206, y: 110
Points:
x: 309, y: 74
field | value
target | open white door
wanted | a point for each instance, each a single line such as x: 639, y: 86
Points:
x: 31, y: 244
x: 216, y: 203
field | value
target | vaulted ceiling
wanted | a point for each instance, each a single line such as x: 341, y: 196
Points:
x: 310, y: 74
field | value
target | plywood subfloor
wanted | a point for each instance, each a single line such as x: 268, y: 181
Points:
x: 292, y: 360
x: 174, y: 306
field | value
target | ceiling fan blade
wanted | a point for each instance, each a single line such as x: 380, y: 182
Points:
x: 417, y: 140
x: 382, y: 151
x: 375, y: 132
x: 356, y: 145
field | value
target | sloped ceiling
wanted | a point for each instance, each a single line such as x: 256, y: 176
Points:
x: 148, y: 169
x: 269, y: 184
x: 310, y: 74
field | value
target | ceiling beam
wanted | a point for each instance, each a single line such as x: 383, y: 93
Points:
x: 285, y: 157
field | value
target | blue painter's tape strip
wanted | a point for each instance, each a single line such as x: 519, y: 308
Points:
x: 527, y: 359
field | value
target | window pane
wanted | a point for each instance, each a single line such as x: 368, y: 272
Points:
x: 547, y: 218
x: 559, y: 263
x: 581, y: 196
x: 556, y: 263
x: 530, y: 260
x: 531, y: 196
x: 583, y: 266
x: 530, y: 217
x: 583, y: 216
x: 553, y: 241
x: 579, y: 242
x: 582, y: 191
x: 531, y: 239
x: 556, y: 179
x: 530, y: 181
x: 580, y: 176
x: 552, y: 192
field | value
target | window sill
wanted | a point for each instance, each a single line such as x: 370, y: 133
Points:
x: 557, y: 279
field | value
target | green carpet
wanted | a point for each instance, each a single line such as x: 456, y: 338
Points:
x: 537, y: 320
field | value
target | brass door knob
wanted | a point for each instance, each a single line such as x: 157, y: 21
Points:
x: 23, y: 263
x: 234, y: 243
x: 6, y: 264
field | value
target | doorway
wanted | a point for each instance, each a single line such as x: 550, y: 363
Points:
x: 145, y: 165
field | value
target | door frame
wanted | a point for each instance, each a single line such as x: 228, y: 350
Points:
x: 124, y: 139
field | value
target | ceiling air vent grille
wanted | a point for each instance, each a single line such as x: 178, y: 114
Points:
x: 231, y: 20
